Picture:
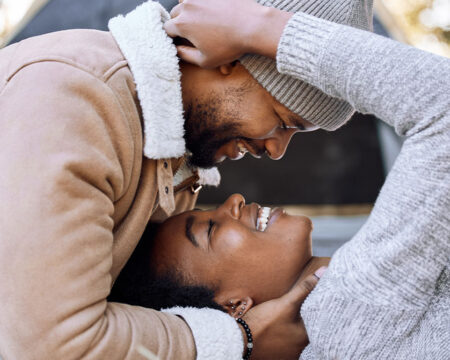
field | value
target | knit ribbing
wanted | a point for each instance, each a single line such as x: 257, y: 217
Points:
x: 386, y: 294
x: 300, y: 97
x: 301, y: 61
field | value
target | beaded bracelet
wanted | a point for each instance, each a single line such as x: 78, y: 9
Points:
x: 249, y: 338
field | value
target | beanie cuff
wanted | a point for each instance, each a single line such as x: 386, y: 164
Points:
x: 296, y: 79
x: 299, y: 55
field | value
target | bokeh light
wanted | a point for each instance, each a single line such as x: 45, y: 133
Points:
x: 12, y: 13
x: 421, y: 23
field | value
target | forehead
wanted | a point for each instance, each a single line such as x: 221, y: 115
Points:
x: 171, y: 249
x: 172, y: 230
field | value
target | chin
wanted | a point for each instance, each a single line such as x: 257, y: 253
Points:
x: 306, y: 221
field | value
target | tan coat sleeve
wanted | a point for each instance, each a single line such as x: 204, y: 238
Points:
x: 64, y: 141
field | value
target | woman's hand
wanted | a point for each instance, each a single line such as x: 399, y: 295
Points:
x: 221, y: 31
x: 277, y: 328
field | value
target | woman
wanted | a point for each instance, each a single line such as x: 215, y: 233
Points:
x: 230, y: 258
x: 386, y: 293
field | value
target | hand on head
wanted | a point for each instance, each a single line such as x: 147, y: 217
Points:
x: 223, y: 31
x: 252, y: 262
x: 217, y: 29
x: 277, y: 328
x: 259, y: 273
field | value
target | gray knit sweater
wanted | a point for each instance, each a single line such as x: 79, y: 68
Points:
x: 386, y: 294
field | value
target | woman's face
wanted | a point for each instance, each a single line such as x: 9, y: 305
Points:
x: 223, y: 249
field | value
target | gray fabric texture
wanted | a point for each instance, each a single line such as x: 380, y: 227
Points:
x: 386, y: 294
x: 310, y: 103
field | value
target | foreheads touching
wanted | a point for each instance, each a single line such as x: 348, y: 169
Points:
x: 228, y: 113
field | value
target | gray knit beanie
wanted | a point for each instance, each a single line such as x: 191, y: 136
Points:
x: 301, y: 98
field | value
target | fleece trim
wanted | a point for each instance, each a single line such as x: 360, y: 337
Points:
x: 209, y: 177
x: 217, y: 335
x: 152, y: 58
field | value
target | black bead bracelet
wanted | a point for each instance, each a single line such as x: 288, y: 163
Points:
x: 249, y: 338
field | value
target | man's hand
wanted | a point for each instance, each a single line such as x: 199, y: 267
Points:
x: 222, y: 31
x: 277, y: 328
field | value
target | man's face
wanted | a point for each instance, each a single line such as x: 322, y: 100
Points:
x: 228, y: 114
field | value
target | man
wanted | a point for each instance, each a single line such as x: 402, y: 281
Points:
x: 94, y: 146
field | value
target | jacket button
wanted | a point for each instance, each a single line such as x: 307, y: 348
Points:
x: 166, y: 165
x: 167, y: 189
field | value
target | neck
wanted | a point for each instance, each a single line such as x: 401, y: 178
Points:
x: 313, y: 265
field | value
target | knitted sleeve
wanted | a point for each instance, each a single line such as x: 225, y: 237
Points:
x: 406, y: 239
x: 376, y: 293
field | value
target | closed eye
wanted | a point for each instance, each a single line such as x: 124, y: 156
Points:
x: 210, y: 229
x: 282, y: 123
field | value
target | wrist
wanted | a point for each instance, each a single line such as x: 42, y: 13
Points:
x: 244, y: 337
x: 266, y: 30
x: 248, y: 344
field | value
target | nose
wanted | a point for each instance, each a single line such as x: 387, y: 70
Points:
x: 276, y: 146
x: 234, y: 205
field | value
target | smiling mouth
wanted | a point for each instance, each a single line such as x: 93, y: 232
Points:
x: 241, y: 150
x: 244, y: 148
x: 266, y: 216
x: 263, y: 218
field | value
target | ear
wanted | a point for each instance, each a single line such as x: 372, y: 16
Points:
x: 227, y: 69
x: 237, y: 307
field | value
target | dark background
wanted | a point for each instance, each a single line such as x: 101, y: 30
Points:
x: 343, y: 167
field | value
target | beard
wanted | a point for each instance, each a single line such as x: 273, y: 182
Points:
x: 206, y: 131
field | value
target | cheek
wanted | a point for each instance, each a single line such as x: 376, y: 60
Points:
x: 269, y: 274
x: 233, y: 248
x: 286, y: 254
x: 296, y: 239
x: 231, y: 241
x: 256, y: 116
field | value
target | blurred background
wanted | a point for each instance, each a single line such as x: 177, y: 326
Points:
x: 332, y: 177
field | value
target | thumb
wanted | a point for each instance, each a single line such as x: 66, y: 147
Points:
x: 190, y: 54
x: 303, y: 287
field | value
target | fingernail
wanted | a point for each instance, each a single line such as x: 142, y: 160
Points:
x: 319, y: 272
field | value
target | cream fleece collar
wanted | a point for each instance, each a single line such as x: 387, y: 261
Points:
x: 152, y: 58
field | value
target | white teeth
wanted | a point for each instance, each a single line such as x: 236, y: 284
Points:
x: 242, y: 149
x: 263, y: 218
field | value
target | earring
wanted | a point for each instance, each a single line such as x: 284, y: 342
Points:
x: 243, y: 307
x: 233, y: 307
x: 240, y: 313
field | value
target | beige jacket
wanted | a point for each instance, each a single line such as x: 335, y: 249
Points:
x: 76, y: 193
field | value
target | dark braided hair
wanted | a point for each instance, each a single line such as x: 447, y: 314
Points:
x: 139, y: 284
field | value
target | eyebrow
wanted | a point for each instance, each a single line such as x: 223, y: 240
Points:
x: 188, y: 230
